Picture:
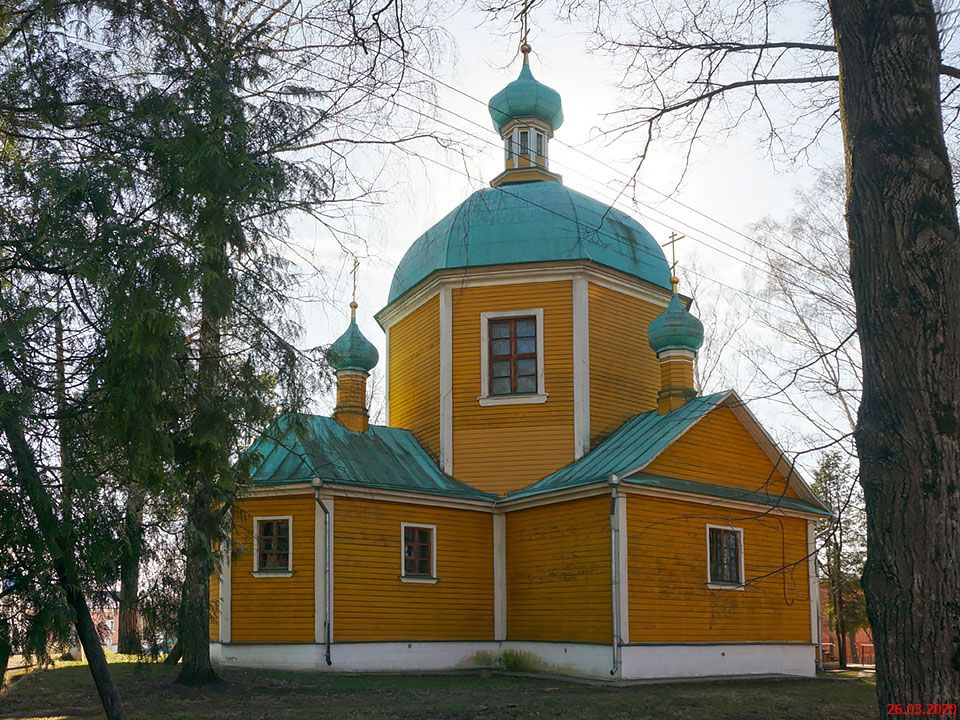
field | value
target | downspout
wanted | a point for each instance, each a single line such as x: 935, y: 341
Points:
x: 327, y: 563
x: 615, y: 572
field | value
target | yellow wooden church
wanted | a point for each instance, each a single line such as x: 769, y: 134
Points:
x: 549, y: 491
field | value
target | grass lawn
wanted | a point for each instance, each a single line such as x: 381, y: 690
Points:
x: 67, y: 692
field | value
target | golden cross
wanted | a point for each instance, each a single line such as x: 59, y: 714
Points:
x: 674, y: 238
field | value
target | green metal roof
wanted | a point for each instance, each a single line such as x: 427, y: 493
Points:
x: 532, y: 222
x: 675, y: 329
x: 635, y: 443
x: 723, y: 492
x: 526, y: 97
x: 297, y: 448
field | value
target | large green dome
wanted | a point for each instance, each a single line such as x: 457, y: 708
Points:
x: 526, y: 97
x: 529, y: 223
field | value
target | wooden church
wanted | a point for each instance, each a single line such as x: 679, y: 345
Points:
x: 549, y: 491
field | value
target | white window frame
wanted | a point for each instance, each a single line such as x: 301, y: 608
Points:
x: 485, y: 398
x: 713, y: 585
x: 433, y: 554
x: 257, y: 572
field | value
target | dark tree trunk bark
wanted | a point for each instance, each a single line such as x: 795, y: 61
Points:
x: 50, y: 537
x: 194, y: 636
x: 6, y: 648
x: 176, y: 652
x: 905, y: 269
x: 203, y: 521
x: 128, y: 637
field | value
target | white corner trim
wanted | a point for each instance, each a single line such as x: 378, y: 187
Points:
x: 319, y: 537
x: 386, y: 376
x: 485, y: 318
x: 581, y: 366
x: 814, y: 580
x: 499, y: 576
x: 226, y: 584
x: 743, y: 578
x: 527, y: 399
x: 328, y: 596
x: 624, y: 585
x: 446, y: 381
x: 257, y: 572
x: 434, y: 574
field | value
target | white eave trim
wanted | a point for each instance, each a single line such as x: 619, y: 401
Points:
x: 521, y: 273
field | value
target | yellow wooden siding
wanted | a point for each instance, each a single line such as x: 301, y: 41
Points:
x: 415, y: 374
x: 506, y: 447
x: 624, y: 372
x: 719, y: 450
x: 676, y: 373
x: 215, y: 606
x: 273, y: 609
x: 558, y: 572
x: 371, y: 603
x: 669, y: 600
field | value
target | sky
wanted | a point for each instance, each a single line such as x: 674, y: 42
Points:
x: 730, y: 185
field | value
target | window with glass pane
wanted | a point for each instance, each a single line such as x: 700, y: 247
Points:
x: 273, y: 543
x: 725, y: 556
x: 524, y: 142
x: 417, y: 551
x: 541, y: 148
x: 513, y: 356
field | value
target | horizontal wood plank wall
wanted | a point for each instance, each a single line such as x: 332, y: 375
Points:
x: 719, y: 450
x: 558, y: 572
x: 215, y: 606
x: 273, y: 609
x: 669, y: 600
x: 506, y: 447
x: 415, y: 374
x: 624, y: 372
x: 371, y: 603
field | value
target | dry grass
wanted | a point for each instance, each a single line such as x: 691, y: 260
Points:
x: 67, y: 693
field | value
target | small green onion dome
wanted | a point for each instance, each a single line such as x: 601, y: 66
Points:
x: 675, y: 328
x: 526, y: 97
x: 352, y: 351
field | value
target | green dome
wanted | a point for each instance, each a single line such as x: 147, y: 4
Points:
x: 675, y: 329
x: 526, y: 97
x: 352, y: 351
x: 532, y: 222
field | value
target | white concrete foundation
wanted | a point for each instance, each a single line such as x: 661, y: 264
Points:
x: 584, y: 660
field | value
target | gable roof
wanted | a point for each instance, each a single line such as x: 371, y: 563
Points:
x: 644, y: 437
x: 303, y: 448
x: 632, y: 446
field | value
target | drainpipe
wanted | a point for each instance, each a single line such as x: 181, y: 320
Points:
x: 615, y: 572
x: 327, y: 563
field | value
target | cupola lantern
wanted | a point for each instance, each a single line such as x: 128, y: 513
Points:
x: 352, y: 357
x: 526, y: 113
x: 675, y: 336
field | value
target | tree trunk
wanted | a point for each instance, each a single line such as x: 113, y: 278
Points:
x: 128, y: 636
x: 841, y: 643
x: 905, y: 269
x: 50, y: 538
x: 6, y: 648
x: 194, y: 624
x: 852, y: 644
x: 176, y: 652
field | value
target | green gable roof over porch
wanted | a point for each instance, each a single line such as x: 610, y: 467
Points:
x: 302, y: 448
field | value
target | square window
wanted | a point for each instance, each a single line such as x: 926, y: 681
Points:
x: 725, y: 552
